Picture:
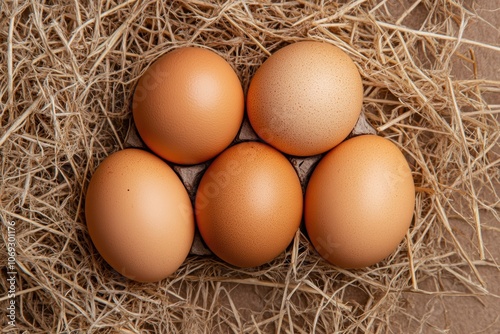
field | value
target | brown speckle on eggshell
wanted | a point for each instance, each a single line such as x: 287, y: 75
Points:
x: 305, y: 98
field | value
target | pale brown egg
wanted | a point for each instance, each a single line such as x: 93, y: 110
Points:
x: 139, y: 215
x: 188, y: 106
x: 359, y: 202
x: 306, y: 98
x: 249, y: 204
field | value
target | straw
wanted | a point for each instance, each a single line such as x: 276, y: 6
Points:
x: 67, y: 73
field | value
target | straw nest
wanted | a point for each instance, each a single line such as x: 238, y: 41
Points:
x: 68, y: 71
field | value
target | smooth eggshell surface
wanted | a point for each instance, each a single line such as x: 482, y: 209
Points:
x: 139, y: 215
x: 305, y: 98
x: 188, y: 106
x: 249, y: 204
x: 359, y: 202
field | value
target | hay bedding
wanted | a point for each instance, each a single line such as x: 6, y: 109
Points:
x: 67, y: 72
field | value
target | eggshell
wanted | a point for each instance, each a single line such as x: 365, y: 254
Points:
x: 139, y: 215
x: 359, y: 202
x: 188, y: 106
x: 305, y: 98
x: 249, y: 204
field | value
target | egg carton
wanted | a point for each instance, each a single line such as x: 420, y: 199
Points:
x: 190, y: 175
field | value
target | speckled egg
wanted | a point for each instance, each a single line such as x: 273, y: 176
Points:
x: 359, y: 202
x: 305, y: 98
x: 139, y: 215
x: 188, y: 106
x: 249, y: 204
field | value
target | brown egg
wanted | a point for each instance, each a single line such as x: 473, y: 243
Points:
x: 139, y: 215
x: 359, y: 202
x: 306, y: 98
x: 188, y: 106
x: 249, y: 204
